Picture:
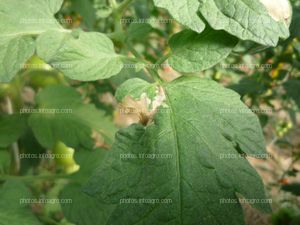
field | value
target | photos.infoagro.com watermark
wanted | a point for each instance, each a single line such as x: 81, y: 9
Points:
x: 145, y: 65
x: 145, y: 201
x: 246, y: 66
x: 244, y: 155
x: 45, y: 201
x: 145, y: 156
x: 46, y: 111
x: 44, y: 156
x: 245, y: 111
x: 148, y: 20
x: 41, y: 66
x: 45, y: 21
x: 245, y: 201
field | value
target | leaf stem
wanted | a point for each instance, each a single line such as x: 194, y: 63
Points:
x: 153, y: 73
x: 16, y: 163
x: 118, y: 11
x: 117, y: 24
x: 123, y: 6
x: 135, y: 52
x: 30, y: 178
x: 113, y: 3
x: 117, y: 36
x: 34, y: 33
x: 161, y: 60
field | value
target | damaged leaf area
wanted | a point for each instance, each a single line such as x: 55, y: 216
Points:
x: 279, y: 10
x: 140, y: 100
x: 203, y: 124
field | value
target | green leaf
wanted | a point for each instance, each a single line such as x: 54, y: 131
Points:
x: 27, y: 17
x: 104, y: 11
x: 14, y: 52
x: 192, y: 52
x: 11, y: 129
x: 13, y: 210
x: 292, y: 88
x: 4, y: 161
x: 98, y: 213
x: 74, y: 125
x: 250, y: 85
x: 86, y: 10
x: 18, y: 21
x: 203, y: 167
x: 246, y: 19
x: 135, y: 88
x: 129, y: 72
x: 293, y: 188
x: 295, y: 32
x: 80, y: 55
x: 138, y: 31
x: 184, y: 11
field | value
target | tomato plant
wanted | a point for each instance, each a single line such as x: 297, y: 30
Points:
x: 149, y: 112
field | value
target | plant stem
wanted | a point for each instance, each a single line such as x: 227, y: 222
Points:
x: 118, y: 11
x: 117, y: 22
x: 123, y: 6
x: 113, y: 4
x: 134, y: 52
x: 48, y: 220
x: 153, y: 73
x: 118, y: 37
x: 30, y: 178
x: 161, y: 60
x: 36, y: 33
x: 16, y: 164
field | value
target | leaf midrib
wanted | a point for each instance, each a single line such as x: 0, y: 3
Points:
x: 31, y: 33
x: 178, y: 169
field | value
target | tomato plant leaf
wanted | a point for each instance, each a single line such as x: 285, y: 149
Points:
x: 73, y: 121
x: 292, y: 88
x: 87, y: 11
x: 129, y: 72
x: 248, y: 20
x: 203, y: 142
x: 293, y: 188
x: 18, y: 21
x: 80, y: 55
x: 193, y: 52
x: 11, y: 128
x: 14, y: 210
x: 22, y: 18
x: 138, y: 31
x: 4, y: 161
x: 17, y: 50
x: 135, y: 88
x: 98, y: 213
x: 249, y: 86
x: 184, y: 11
